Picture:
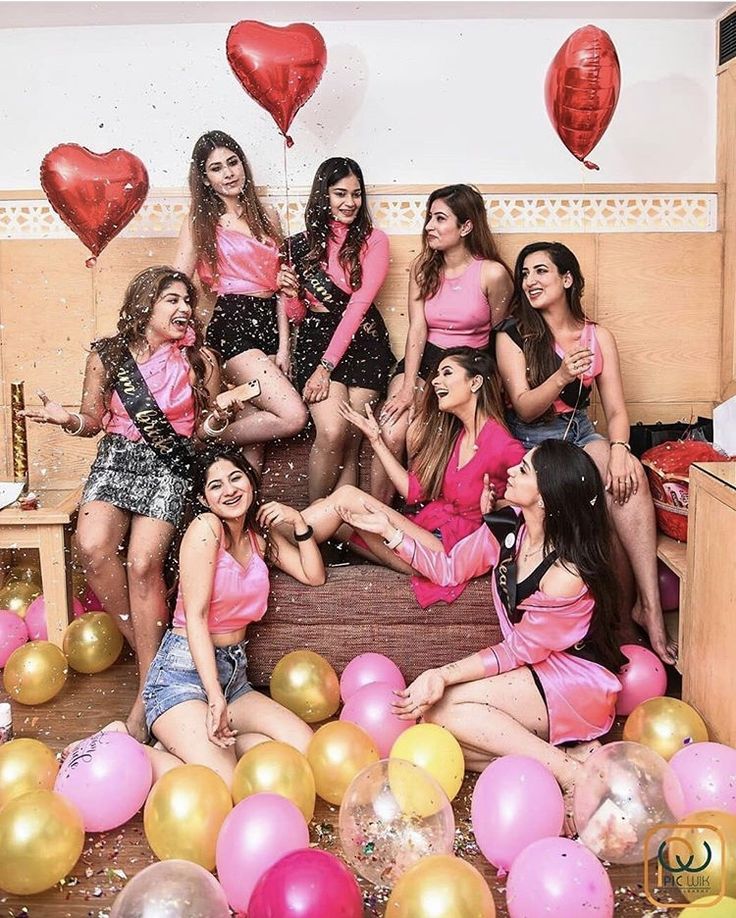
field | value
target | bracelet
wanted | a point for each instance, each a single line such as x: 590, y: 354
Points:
x: 78, y: 431
x: 213, y: 431
x: 304, y: 536
x: 395, y: 540
x: 326, y: 365
x: 623, y: 443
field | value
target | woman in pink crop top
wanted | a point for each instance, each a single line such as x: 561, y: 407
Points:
x: 150, y: 388
x: 343, y: 351
x: 198, y: 700
x: 459, y: 288
x: 232, y: 240
x: 462, y: 442
x: 549, y: 356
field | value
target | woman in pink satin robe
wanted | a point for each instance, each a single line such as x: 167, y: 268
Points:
x: 552, y: 679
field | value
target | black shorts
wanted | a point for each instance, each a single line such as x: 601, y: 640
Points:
x: 429, y: 363
x: 240, y: 323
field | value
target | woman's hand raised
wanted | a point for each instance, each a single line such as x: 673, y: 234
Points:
x: 575, y: 363
x: 425, y: 690
x: 49, y: 412
x: 366, y: 424
x: 487, y: 496
x: 273, y: 513
x: 287, y: 281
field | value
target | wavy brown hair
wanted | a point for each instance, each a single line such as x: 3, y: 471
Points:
x: 318, y: 215
x: 539, y: 343
x: 435, y: 431
x: 466, y: 203
x: 143, y: 292
x: 207, y: 206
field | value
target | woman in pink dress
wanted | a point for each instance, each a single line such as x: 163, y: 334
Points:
x: 462, y: 443
x: 552, y: 679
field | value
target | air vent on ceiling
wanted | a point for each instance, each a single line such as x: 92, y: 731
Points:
x: 727, y: 39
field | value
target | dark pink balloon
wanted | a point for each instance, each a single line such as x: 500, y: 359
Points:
x: 642, y: 678
x: 707, y: 773
x: 367, y: 668
x: 13, y: 634
x: 370, y: 708
x: 669, y: 587
x: 302, y: 884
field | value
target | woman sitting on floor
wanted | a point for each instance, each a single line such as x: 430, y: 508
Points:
x: 461, y: 442
x: 549, y: 355
x: 552, y: 679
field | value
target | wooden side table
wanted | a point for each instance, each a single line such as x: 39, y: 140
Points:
x: 48, y: 529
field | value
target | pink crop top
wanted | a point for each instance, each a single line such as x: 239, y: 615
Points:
x: 589, y: 339
x: 244, y: 265
x: 167, y: 376
x: 459, y: 315
x: 239, y: 594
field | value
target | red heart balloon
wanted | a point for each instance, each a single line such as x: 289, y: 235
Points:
x: 279, y: 67
x: 95, y: 194
x: 582, y: 88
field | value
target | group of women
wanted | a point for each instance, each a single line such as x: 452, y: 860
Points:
x: 488, y: 405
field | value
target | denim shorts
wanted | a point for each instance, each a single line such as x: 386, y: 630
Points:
x: 173, y: 677
x: 581, y: 430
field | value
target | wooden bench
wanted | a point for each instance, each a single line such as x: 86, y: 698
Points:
x: 674, y: 555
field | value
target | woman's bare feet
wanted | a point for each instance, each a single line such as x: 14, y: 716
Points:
x: 567, y: 783
x: 115, y: 726
x: 652, y: 621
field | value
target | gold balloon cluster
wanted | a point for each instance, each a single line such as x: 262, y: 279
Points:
x: 184, y: 813
x: 441, y: 886
x: 666, y: 725
x: 275, y: 768
x: 25, y: 765
x: 92, y: 642
x: 337, y: 753
x: 305, y: 683
x: 35, y: 672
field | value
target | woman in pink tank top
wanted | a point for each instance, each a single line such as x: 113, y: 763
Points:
x: 459, y: 288
x: 549, y: 356
x: 231, y: 239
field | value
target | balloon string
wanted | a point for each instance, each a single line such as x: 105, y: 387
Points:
x: 288, y: 205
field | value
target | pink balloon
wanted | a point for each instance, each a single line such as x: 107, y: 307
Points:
x: 370, y: 708
x: 13, y: 634
x: 256, y: 833
x: 557, y: 876
x: 300, y: 885
x: 642, y: 678
x: 107, y: 777
x: 90, y: 602
x: 707, y: 773
x: 36, y: 617
x: 516, y: 801
x: 669, y: 587
x: 367, y: 668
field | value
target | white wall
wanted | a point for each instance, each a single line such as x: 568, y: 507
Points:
x: 414, y: 102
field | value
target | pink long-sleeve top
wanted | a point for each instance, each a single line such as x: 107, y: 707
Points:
x: 245, y: 265
x: 457, y: 512
x: 374, y: 260
x: 167, y: 375
x: 580, y: 694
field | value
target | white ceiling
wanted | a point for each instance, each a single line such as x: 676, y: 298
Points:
x: 139, y: 12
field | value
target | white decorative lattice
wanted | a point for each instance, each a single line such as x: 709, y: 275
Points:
x: 403, y: 214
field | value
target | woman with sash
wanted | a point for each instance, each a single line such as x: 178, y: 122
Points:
x: 459, y: 289
x: 149, y: 388
x: 550, y: 356
x: 342, y: 352
x: 552, y: 679
x: 231, y: 239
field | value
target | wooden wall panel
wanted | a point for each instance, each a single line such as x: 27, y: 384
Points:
x: 727, y: 175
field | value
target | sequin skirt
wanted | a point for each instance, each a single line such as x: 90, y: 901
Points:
x: 128, y: 474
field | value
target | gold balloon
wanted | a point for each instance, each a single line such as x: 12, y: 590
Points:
x: 441, y: 886
x: 25, y: 765
x: 305, y: 683
x: 699, y: 883
x: 17, y: 595
x: 92, y: 642
x: 665, y: 725
x: 41, y: 838
x: 723, y: 908
x: 35, y: 672
x: 184, y: 813
x: 276, y: 768
x: 337, y: 753
x: 436, y: 750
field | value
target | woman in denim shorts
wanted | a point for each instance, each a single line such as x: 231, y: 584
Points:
x: 549, y: 356
x: 197, y: 697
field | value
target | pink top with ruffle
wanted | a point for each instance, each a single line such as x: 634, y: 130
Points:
x: 244, y: 265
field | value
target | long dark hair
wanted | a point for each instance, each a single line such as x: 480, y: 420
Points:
x: 135, y: 314
x: 539, y: 344
x: 577, y: 526
x: 207, y: 207
x: 436, y: 431
x: 216, y: 452
x: 317, y: 218
x: 466, y: 203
